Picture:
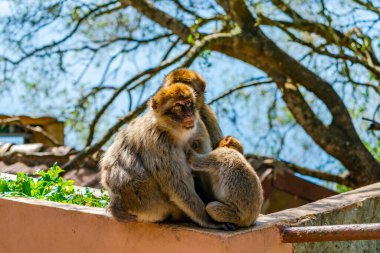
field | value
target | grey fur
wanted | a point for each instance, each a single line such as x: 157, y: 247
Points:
x: 146, y: 174
x: 235, y: 186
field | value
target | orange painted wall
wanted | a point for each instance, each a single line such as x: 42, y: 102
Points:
x: 46, y: 227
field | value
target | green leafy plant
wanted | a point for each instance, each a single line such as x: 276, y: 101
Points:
x: 50, y: 186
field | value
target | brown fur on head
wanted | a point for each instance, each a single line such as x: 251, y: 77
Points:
x: 175, y: 106
x: 231, y: 142
x: 188, y: 77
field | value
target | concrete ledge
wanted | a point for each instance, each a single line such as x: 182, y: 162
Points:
x: 40, y: 226
x: 312, y: 211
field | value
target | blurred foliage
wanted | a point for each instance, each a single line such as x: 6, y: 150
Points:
x: 50, y: 186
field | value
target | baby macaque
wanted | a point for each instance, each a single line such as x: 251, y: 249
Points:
x: 235, y: 184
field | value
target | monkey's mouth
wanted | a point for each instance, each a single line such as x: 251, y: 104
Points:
x: 188, y: 123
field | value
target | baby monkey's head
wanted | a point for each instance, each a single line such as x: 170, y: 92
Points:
x: 231, y: 142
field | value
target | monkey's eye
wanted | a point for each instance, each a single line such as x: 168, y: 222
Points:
x: 177, y: 107
x: 190, y: 106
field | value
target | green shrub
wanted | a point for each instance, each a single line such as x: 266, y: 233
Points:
x: 50, y: 186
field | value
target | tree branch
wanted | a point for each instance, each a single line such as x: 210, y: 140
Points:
x: 89, y: 150
x: 160, y: 17
x: 369, y: 5
x: 239, y: 87
x: 375, y: 126
x: 66, y: 37
x: 184, y: 9
x: 287, y: 10
x: 268, y: 162
x: 364, y: 61
x: 330, y: 34
x: 239, y: 13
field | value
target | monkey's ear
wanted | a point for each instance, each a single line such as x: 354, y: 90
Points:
x: 227, y: 140
x: 203, y: 85
x: 153, y: 104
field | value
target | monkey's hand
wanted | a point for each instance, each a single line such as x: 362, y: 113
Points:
x: 190, y: 155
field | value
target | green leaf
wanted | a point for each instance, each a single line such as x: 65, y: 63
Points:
x: 50, y: 186
x: 3, y: 186
x: 190, y: 39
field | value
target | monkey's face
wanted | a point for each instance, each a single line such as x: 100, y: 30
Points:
x: 175, y: 107
x: 182, y: 112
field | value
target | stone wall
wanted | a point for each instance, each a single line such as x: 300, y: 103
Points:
x: 363, y: 211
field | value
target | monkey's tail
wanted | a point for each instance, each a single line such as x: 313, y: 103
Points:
x: 119, y: 212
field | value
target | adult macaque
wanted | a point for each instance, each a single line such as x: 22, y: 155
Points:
x: 195, y: 81
x: 145, y: 170
x: 208, y: 132
x: 235, y: 184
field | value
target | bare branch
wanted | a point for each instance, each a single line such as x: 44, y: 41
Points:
x: 375, y: 126
x: 240, y: 87
x: 287, y: 10
x: 204, y: 43
x: 94, y: 91
x: 268, y: 162
x: 174, y: 44
x: 131, y: 39
x: 330, y: 34
x: 369, y: 5
x: 322, y: 50
x: 160, y: 17
x: 66, y: 37
x: 89, y: 150
x: 184, y: 9
x: 351, y: 80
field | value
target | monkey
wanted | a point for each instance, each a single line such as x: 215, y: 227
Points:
x: 235, y: 184
x: 208, y: 132
x: 145, y: 170
x: 195, y: 81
